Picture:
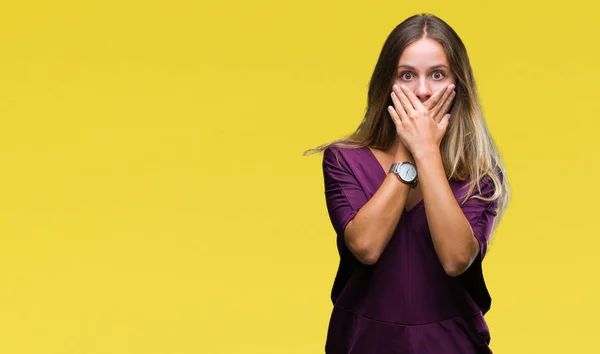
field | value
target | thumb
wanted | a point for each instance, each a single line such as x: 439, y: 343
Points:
x: 443, y: 124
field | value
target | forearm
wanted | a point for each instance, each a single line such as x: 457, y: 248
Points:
x: 451, y: 233
x: 367, y: 235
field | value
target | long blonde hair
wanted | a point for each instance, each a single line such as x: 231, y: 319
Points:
x: 467, y: 148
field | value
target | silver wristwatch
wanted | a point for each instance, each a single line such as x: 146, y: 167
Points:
x: 406, y: 172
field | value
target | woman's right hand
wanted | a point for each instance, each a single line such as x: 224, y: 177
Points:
x: 439, y: 104
x: 435, y: 102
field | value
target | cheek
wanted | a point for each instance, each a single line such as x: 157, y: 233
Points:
x: 442, y: 83
x: 437, y: 85
x: 410, y: 84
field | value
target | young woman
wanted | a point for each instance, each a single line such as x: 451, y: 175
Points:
x: 414, y: 195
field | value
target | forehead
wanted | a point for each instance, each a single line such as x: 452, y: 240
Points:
x: 423, y: 53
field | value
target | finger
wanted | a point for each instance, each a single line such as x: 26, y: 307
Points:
x: 395, y: 118
x: 414, y: 100
x: 442, y: 106
x: 443, y: 125
x: 431, y: 102
x: 399, y: 107
x: 408, y: 107
x: 447, y: 104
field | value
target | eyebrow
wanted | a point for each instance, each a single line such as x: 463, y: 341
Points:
x: 440, y: 66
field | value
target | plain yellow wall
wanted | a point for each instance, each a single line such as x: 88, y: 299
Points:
x: 154, y: 197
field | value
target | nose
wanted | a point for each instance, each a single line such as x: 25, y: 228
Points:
x: 423, y: 90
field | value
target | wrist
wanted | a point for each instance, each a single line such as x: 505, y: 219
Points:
x: 426, y: 154
x: 403, y: 156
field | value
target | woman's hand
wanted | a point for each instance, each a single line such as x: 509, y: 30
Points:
x: 421, y: 129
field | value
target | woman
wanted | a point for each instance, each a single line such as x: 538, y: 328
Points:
x: 414, y: 195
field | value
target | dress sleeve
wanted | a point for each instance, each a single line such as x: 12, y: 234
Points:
x: 343, y: 192
x: 481, y: 214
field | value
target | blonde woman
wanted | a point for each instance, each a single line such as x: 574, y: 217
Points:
x: 414, y: 195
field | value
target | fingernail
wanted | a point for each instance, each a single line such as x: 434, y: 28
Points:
x: 395, y: 87
x: 403, y: 86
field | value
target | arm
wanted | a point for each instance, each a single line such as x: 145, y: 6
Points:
x: 363, y: 226
x: 368, y: 225
x: 459, y: 233
x: 451, y: 233
x: 367, y: 235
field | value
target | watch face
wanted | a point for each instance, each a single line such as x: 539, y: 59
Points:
x: 408, y: 172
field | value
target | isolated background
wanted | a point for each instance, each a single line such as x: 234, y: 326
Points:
x: 154, y: 197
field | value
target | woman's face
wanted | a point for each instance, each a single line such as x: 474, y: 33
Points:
x: 423, y: 68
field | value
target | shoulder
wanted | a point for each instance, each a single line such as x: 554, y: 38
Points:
x: 342, y: 155
x: 485, y: 186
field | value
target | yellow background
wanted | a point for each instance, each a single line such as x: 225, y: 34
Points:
x: 154, y: 197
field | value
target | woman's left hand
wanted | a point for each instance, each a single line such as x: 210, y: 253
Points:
x: 421, y: 130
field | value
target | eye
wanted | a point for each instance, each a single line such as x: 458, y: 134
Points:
x: 406, y: 75
x: 438, y: 75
